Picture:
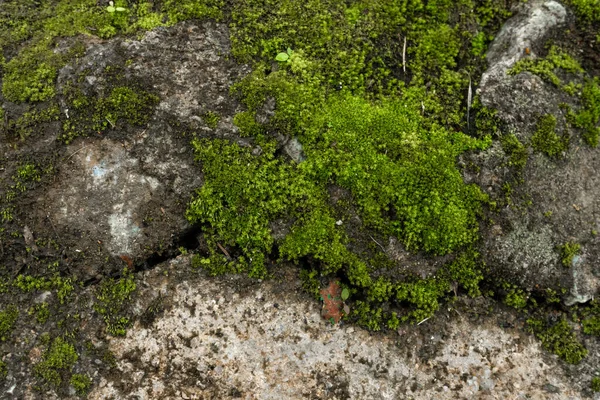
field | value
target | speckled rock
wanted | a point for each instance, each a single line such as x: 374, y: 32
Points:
x: 522, y: 244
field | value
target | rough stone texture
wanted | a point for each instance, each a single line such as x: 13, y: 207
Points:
x: 127, y: 191
x: 522, y: 243
x: 221, y: 339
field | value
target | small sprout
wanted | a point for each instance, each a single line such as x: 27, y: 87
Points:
x: 284, y: 56
x: 111, y: 8
x: 345, y: 294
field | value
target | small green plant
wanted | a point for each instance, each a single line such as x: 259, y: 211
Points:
x: 595, y: 384
x: 57, y: 360
x: 568, y: 251
x: 515, y: 297
x: 81, y: 383
x: 112, y: 297
x: 545, y: 138
x: 559, y: 339
x: 111, y: 8
x: 8, y: 318
x: 284, y: 56
x: 3, y: 370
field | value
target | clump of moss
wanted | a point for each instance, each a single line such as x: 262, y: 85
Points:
x: 588, y: 11
x: 567, y: 252
x: 81, y: 383
x: 41, y: 312
x: 112, y: 297
x: 211, y: 119
x: 57, y: 361
x: 129, y: 104
x: 3, y: 370
x: 515, y: 297
x: 545, y: 138
x: 595, y: 384
x: 559, y: 339
x: 588, y: 117
x: 546, y: 67
x: 8, y: 318
x: 516, y: 151
x: 63, y: 286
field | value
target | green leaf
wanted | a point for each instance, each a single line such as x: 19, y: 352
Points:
x: 345, y: 294
x: 289, y: 51
x: 111, y: 9
x: 282, y: 57
x: 121, y: 9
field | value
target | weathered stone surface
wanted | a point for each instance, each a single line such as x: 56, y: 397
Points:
x: 220, y: 340
x: 127, y: 191
x: 522, y: 245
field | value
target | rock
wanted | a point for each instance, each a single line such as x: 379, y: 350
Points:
x: 523, y: 244
x: 248, y: 348
x: 126, y: 190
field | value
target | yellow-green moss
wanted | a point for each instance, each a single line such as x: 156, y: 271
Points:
x: 112, y: 298
x: 546, y: 140
x: 81, y: 383
x: 8, y: 318
x: 57, y: 361
x: 546, y: 67
x: 559, y: 339
x: 568, y: 251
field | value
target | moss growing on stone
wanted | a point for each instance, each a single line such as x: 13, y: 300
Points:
x: 92, y: 115
x: 595, y: 384
x: 588, y: 117
x: 81, y: 383
x: 568, y: 251
x: 112, y: 297
x: 8, y: 318
x: 546, y: 140
x: 546, y: 68
x: 57, y: 361
x: 559, y: 339
x: 588, y: 11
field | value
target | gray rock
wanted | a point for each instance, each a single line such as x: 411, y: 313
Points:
x: 522, y: 245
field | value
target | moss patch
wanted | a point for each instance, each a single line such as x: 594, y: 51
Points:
x: 559, y: 339
x: 545, y: 138
x: 57, y: 361
x: 112, y: 301
x: 8, y: 317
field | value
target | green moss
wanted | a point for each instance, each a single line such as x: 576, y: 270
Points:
x: 515, y: 297
x: 81, y: 383
x: 588, y: 117
x: 559, y: 339
x: 3, y: 371
x: 41, y: 312
x: 516, y: 151
x: 57, y: 361
x: 545, y: 138
x: 588, y: 11
x: 211, y: 119
x: 546, y: 67
x: 8, y: 318
x: 63, y: 286
x: 567, y: 252
x: 112, y: 298
x: 595, y: 384
x: 133, y: 105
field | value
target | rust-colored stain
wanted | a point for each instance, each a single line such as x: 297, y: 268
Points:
x: 127, y: 260
x: 332, y: 302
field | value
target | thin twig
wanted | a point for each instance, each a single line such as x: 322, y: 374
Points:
x: 469, y: 99
x: 404, y: 56
x: 382, y: 248
x: 223, y: 250
x: 75, y: 152
x: 423, y: 320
